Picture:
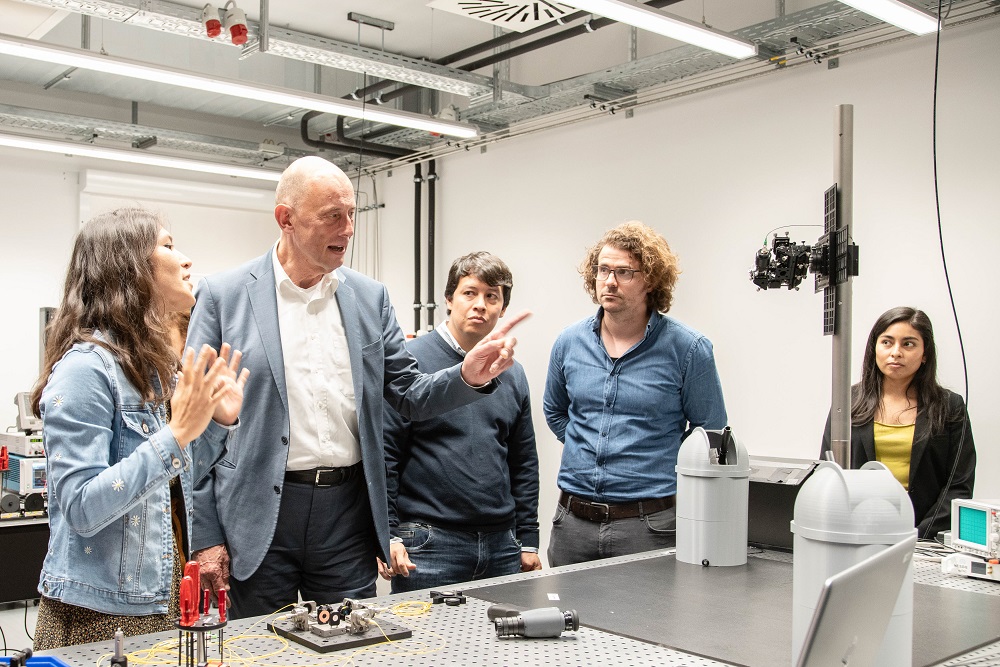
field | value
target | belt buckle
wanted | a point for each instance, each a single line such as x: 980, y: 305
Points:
x: 606, y: 508
x: 319, y: 484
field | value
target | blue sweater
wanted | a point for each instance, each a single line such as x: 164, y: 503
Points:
x: 474, y: 468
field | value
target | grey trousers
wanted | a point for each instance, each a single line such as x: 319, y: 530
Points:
x: 575, y: 540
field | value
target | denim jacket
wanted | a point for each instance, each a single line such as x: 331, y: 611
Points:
x: 110, y: 458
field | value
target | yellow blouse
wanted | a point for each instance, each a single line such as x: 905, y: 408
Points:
x: 892, y: 447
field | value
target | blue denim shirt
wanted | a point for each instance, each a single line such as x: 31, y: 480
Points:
x: 622, y: 421
x: 109, y: 463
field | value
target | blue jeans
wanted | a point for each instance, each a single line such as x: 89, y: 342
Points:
x: 444, y: 557
x: 576, y: 540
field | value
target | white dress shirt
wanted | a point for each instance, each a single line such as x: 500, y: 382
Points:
x: 323, y: 422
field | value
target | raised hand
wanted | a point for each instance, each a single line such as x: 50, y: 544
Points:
x: 202, y: 384
x: 227, y: 411
x: 493, y: 354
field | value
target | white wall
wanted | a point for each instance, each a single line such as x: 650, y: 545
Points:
x: 714, y: 172
x: 219, y: 222
x: 38, y: 218
x: 42, y: 204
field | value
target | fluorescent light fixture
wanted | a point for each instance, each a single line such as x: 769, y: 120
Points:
x: 60, y: 55
x: 135, y: 157
x: 899, y: 13
x: 669, y: 26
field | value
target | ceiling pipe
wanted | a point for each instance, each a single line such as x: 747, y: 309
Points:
x: 473, y: 50
x: 366, y: 146
x: 263, y: 27
x: 344, y: 144
x: 84, y: 44
x: 583, y: 29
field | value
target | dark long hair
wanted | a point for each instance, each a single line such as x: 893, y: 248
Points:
x: 931, y: 397
x: 110, y: 287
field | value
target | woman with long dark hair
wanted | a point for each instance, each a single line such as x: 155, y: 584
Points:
x: 902, y: 417
x: 114, y: 557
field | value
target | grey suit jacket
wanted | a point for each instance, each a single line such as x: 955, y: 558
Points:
x: 238, y: 503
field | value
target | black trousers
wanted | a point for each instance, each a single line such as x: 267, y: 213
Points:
x: 324, y: 549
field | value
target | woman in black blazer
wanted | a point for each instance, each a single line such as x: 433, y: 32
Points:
x: 902, y: 417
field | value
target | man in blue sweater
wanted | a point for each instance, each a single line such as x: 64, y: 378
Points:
x: 463, y: 487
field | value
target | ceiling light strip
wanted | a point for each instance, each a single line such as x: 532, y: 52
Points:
x: 24, y: 48
x: 135, y: 157
x: 899, y: 13
x: 668, y: 25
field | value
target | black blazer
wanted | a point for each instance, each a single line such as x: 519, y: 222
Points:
x: 931, y: 460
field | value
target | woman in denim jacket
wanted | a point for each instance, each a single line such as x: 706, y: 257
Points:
x: 113, y: 560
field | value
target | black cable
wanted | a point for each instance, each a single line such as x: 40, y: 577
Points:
x: 785, y: 227
x: 944, y: 264
x: 361, y: 153
x: 26, y: 622
x: 4, y: 640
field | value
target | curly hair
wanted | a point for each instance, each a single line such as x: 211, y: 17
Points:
x: 111, y: 288
x: 659, y: 264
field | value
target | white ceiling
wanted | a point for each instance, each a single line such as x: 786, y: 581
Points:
x: 542, y: 83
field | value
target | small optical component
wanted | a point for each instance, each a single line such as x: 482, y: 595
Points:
x: 543, y: 622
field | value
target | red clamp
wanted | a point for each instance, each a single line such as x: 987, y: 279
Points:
x: 4, y: 459
x: 189, y: 594
x: 222, y: 606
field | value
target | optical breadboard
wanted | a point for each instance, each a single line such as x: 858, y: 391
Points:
x: 386, y: 630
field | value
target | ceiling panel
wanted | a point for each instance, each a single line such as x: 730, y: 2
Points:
x: 558, y: 83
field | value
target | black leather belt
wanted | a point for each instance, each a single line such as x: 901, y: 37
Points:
x: 323, y: 476
x: 603, y: 512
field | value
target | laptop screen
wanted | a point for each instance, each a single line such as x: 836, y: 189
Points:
x: 854, y: 609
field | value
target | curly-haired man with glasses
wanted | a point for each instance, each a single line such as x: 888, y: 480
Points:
x: 623, y: 388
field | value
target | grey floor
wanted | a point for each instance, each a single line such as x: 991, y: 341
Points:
x: 12, y: 621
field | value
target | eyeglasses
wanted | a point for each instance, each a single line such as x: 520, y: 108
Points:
x: 622, y: 275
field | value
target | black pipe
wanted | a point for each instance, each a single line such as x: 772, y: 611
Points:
x: 316, y: 143
x: 475, y: 49
x: 431, y: 200
x: 346, y: 145
x: 590, y: 26
x: 381, y: 150
x: 417, y: 181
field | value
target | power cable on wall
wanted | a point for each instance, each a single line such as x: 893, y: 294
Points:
x: 944, y: 261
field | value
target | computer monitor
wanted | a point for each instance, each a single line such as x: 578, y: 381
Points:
x: 854, y: 610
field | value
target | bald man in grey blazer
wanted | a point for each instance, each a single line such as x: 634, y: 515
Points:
x: 298, y: 504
